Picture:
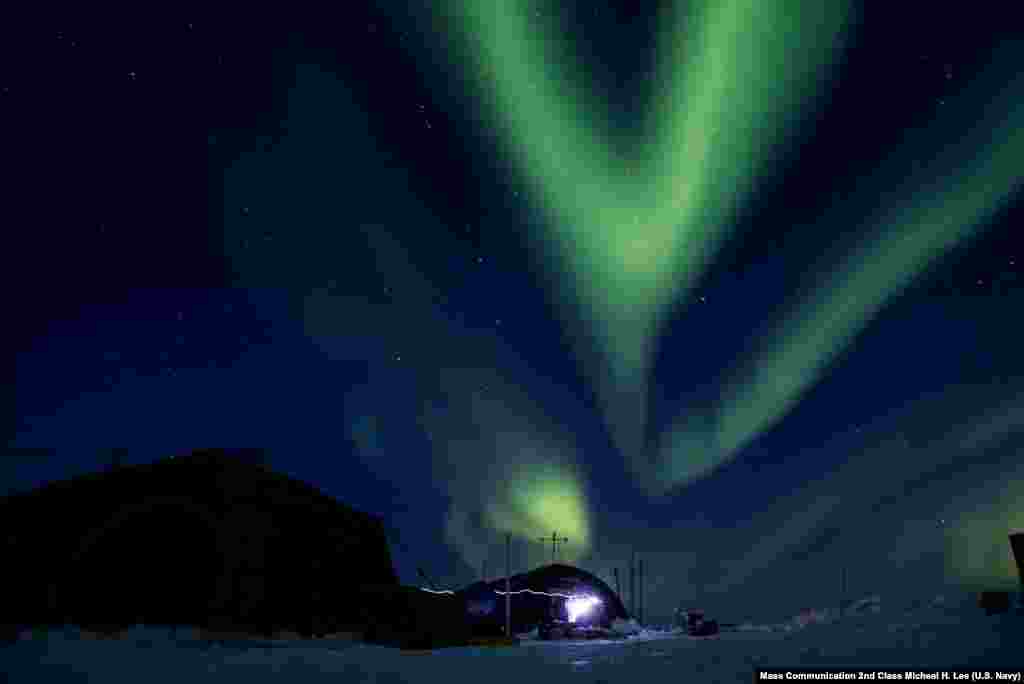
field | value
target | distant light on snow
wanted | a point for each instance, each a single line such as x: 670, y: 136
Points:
x: 578, y: 606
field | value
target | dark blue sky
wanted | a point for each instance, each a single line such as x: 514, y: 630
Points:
x: 268, y: 233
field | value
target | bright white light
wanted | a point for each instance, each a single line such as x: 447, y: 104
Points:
x: 578, y: 606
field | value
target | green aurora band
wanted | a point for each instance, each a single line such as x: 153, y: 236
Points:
x: 969, y: 180
x: 632, y: 231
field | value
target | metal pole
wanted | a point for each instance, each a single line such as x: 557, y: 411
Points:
x: 1017, y: 547
x: 508, y: 585
x: 640, y: 587
x: 842, y: 588
x: 544, y: 540
x: 632, y: 584
x: 618, y: 585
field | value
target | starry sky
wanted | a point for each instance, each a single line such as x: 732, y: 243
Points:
x: 737, y: 291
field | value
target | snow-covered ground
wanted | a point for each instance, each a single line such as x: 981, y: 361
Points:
x: 934, y: 635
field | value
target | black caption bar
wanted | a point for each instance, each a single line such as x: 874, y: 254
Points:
x: 888, y: 675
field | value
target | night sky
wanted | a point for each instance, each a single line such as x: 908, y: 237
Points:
x: 739, y: 288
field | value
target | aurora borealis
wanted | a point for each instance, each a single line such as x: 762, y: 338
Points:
x: 634, y: 228
x: 728, y: 284
x: 970, y: 182
x: 712, y: 132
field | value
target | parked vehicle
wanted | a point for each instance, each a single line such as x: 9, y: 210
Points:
x: 696, y: 625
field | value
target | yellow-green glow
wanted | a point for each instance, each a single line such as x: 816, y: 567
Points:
x: 544, y: 502
x: 529, y: 500
x: 981, y: 171
x: 633, y: 231
x: 979, y: 552
x: 505, y: 465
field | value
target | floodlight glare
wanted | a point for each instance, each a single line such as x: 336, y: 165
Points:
x: 578, y: 606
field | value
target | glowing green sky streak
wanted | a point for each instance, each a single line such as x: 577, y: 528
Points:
x: 976, y: 175
x: 634, y: 231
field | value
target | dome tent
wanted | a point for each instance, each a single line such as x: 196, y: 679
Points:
x: 532, y: 600
x: 210, y: 538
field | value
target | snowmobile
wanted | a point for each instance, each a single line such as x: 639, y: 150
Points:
x: 553, y: 628
x: 692, y: 620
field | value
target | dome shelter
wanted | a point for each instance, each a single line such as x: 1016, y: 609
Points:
x: 541, y: 594
x: 212, y: 538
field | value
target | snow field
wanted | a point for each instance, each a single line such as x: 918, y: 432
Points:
x: 931, y: 636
